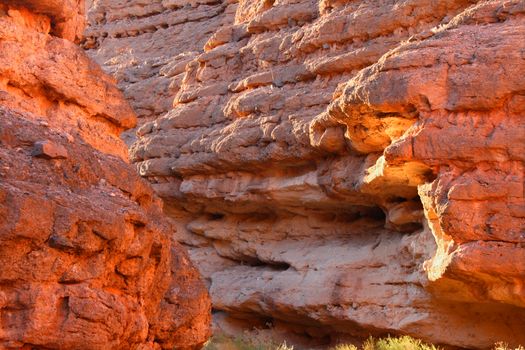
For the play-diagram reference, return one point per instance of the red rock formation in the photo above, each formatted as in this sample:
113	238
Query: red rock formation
87	257
340	167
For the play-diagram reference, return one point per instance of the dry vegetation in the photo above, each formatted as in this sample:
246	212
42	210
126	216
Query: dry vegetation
221	342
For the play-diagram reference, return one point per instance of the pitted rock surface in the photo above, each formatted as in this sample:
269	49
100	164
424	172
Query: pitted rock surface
87	257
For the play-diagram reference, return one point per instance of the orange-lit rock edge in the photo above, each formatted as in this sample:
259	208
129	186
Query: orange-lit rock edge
88	260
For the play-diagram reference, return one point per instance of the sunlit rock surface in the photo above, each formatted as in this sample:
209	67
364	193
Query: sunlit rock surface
87	257
336	167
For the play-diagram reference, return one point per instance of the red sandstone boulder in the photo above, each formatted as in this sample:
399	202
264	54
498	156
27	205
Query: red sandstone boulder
87	257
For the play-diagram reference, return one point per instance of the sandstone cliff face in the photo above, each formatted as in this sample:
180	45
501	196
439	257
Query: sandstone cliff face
87	259
337	167
147	44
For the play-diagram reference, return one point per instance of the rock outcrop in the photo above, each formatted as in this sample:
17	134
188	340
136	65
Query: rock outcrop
336	167
87	257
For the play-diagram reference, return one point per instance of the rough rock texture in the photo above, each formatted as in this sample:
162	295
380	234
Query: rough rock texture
147	44
87	258
67	17
51	77
337	167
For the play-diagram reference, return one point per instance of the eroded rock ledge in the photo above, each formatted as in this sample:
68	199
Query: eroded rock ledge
336	167
87	257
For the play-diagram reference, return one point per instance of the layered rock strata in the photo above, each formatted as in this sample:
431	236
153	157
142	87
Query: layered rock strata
338	167
87	258
147	44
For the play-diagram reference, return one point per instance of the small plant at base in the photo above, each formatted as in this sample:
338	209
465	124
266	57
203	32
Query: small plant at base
389	343
505	346
257	342
246	342
283	346
345	347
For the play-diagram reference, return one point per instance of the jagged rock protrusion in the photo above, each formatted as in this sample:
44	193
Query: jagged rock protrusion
87	257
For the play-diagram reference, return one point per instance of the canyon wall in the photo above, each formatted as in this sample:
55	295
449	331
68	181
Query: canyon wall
336	168
87	257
